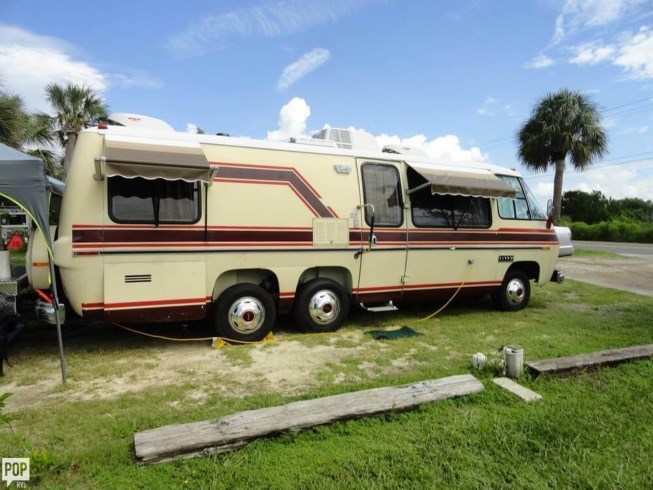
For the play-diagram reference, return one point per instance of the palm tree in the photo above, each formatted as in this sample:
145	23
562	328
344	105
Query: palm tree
76	107
29	133
562	124
13	119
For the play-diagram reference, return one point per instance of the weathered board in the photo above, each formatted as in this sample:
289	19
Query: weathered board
234	431
516	389
591	360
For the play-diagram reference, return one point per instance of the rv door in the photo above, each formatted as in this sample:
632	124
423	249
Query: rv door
383	231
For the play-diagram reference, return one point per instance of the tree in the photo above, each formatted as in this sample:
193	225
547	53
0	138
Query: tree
582	206
27	132
562	124
76	107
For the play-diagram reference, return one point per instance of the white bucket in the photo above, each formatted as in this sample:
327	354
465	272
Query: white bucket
478	360
5	266
514	357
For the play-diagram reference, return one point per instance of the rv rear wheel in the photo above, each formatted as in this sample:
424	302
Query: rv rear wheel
244	312
321	306
515	291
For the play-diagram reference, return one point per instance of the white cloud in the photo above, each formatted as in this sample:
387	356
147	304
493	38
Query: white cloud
539	61
579	15
265	20
592	53
616	182
636	54
292	120
30	61
304	65
443	149
488	107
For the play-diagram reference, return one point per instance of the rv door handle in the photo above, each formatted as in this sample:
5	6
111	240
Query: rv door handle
373	241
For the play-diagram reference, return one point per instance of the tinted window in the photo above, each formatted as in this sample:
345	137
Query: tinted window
444	210
382	189
157	201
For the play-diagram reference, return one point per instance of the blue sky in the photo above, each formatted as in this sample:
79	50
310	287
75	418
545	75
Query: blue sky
454	77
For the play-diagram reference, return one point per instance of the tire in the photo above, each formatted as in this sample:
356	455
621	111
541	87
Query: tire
322	305
244	312
515	292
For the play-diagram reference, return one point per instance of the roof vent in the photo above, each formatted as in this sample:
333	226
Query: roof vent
138	121
348	139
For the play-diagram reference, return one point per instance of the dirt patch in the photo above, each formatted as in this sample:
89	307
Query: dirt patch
281	367
634	274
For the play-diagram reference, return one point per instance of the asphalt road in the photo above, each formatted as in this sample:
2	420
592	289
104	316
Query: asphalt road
616	247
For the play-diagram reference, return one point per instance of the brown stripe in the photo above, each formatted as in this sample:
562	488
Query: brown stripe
276	175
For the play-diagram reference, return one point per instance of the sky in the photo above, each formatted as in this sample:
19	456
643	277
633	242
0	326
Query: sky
456	78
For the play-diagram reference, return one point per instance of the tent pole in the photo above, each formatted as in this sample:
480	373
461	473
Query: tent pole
62	358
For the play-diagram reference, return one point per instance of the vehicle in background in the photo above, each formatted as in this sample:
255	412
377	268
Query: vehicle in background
564	237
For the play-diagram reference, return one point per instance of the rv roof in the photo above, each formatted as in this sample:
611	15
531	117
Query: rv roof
148	136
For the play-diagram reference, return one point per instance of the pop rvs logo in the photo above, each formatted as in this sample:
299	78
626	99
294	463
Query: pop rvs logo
15	470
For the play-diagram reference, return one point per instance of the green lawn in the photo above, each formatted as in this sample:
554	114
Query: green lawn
592	430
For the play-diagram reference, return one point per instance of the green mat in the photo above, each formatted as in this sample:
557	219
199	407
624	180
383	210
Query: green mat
399	333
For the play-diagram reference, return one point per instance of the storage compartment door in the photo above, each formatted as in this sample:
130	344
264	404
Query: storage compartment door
155	291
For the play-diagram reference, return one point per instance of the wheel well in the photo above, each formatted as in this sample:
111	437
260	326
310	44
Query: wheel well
340	275
531	269
261	277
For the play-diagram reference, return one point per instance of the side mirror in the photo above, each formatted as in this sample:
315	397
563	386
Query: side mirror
549	214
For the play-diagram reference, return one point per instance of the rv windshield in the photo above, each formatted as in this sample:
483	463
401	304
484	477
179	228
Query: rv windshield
523	205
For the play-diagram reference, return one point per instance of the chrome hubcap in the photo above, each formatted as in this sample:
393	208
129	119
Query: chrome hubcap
515	292
246	315
324	307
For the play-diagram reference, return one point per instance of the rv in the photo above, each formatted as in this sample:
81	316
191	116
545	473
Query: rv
162	226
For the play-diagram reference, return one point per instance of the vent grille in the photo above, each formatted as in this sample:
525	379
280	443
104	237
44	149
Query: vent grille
138	278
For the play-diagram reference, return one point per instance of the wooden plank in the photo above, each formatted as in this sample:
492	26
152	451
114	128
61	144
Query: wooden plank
591	360
516	389
233	431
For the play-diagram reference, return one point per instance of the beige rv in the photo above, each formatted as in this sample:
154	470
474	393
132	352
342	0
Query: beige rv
159	226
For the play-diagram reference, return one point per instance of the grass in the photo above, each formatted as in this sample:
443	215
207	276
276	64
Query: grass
592	430
579	252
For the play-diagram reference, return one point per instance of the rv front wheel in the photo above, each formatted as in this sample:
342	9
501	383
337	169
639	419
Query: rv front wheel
515	291
321	306
244	312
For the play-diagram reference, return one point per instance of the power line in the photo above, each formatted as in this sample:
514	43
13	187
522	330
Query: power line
595	167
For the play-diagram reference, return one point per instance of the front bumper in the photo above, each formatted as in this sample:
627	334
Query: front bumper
558	276
45	313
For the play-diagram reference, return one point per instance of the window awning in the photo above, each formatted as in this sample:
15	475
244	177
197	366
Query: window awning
156	160
461	182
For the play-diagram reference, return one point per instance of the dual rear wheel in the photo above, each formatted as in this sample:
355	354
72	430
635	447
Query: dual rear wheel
246	312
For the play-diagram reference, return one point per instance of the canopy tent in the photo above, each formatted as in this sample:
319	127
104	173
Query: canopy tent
23	181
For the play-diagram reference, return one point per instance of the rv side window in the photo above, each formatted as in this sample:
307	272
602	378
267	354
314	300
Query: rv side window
523	205
444	210
382	188
158	201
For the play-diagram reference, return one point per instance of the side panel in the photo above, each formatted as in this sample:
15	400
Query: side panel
165	290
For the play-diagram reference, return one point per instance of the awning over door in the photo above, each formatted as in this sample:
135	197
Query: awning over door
445	179
161	160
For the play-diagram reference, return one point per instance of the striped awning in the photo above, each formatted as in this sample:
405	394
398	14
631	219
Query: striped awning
170	160
461	181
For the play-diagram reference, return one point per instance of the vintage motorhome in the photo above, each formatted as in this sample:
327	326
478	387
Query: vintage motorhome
157	226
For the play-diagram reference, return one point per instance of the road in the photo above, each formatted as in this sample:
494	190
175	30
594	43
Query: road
616	247
633	272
